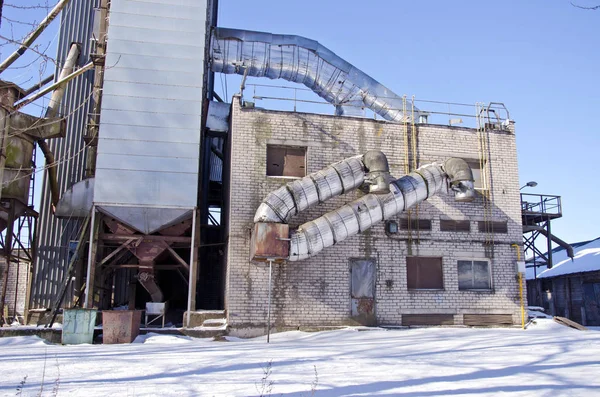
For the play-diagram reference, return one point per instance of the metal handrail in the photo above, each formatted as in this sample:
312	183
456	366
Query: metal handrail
540	204
462	112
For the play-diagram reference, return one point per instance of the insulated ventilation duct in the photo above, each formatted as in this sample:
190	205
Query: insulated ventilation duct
304	61
359	215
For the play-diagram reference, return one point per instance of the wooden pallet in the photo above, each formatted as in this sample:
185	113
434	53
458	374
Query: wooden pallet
569	323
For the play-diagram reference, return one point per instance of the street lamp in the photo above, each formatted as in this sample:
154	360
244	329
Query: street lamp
529	184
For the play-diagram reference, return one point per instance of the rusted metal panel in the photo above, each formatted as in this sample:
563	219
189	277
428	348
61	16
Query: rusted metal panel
487	319
269	241
424	272
427	319
295	162
286	161
120	326
275	160
362	291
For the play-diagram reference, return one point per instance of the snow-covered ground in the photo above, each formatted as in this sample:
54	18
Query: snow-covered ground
547	359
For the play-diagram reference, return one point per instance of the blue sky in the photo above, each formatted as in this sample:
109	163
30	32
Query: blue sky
539	57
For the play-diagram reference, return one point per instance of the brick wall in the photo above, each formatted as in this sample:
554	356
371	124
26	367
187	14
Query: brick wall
17	286
316	292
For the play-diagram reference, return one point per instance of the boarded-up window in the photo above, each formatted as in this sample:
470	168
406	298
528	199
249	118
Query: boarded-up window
424	272
493	227
286	161
473	275
477	172
427	319
487	319
447	225
415	224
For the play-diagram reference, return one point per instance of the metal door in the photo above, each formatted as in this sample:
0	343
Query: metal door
591	298
362	291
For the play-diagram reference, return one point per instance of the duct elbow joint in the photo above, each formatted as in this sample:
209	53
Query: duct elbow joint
464	191
378	172
461	179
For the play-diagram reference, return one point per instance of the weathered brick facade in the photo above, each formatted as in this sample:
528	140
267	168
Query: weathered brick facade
316	291
16	288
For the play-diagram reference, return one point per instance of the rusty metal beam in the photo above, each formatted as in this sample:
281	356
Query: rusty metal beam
173	266
115	252
124	237
178	258
121	255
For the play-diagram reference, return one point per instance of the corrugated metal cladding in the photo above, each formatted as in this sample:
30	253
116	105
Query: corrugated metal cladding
216	162
149	140
55	234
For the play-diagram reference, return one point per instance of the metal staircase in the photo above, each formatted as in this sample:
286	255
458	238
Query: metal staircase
537	212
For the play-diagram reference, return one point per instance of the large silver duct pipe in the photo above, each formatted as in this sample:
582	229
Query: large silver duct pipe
359	215
307	62
339	178
294	197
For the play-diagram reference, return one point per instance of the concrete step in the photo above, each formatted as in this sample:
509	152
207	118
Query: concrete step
214	323
198	317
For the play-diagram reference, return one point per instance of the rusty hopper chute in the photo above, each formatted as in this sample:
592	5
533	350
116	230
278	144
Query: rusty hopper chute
383	201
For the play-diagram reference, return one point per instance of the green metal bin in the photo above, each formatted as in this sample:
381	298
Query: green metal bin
78	326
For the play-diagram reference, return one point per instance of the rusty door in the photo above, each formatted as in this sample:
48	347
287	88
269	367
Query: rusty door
362	291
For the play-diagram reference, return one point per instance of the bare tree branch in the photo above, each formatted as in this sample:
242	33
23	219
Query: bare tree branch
32	24
33	49
586	8
25	7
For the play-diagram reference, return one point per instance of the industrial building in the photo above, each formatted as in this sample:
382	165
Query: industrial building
376	214
571	287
